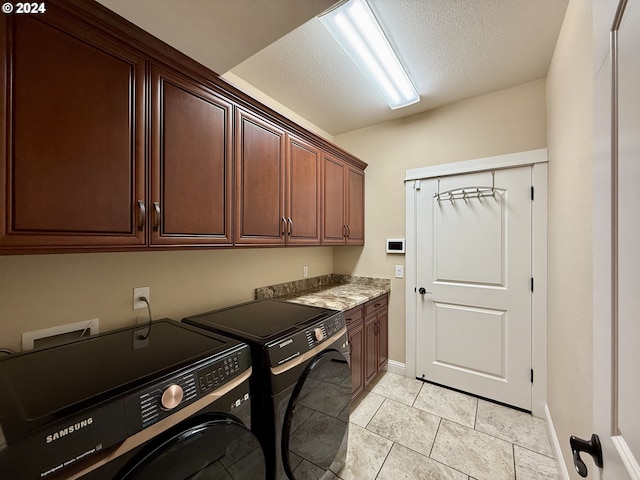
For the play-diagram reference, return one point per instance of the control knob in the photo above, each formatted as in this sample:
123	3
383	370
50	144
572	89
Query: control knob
171	397
318	334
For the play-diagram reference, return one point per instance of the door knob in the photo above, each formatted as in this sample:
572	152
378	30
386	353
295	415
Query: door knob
423	291
592	447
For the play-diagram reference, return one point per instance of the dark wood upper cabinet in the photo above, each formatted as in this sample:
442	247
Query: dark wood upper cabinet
333	197
303	192
112	140
191	162
343	203
260	181
72	162
355	206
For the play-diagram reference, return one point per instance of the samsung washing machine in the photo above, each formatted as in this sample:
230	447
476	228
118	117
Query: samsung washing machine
168	402
301	382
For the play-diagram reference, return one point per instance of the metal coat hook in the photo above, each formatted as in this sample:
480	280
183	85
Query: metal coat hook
466	193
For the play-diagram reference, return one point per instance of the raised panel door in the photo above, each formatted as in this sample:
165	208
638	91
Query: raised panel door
73	162
191	163
260	181
370	348
383	338
356	342
474	260
333	199
355	207
303	193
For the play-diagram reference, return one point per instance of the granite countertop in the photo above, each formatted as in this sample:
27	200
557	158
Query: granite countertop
338	292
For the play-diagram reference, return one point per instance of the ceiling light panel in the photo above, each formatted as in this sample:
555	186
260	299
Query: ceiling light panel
356	30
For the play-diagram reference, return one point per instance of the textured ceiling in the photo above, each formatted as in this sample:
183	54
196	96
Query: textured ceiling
218	33
452	49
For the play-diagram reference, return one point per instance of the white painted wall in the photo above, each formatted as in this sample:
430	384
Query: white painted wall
569	138
506	121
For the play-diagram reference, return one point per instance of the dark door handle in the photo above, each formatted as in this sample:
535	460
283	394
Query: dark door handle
423	291
592	447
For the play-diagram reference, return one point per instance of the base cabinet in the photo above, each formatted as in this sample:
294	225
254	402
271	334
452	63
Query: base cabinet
376	327
355	332
368	332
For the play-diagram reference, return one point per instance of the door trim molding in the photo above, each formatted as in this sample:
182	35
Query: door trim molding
510	160
537	159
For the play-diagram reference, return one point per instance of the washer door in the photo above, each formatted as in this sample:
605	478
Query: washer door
211	446
317	419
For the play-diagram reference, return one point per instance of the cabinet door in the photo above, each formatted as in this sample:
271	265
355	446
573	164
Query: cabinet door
72	156
355	206
260	181
191	163
303	193
383	338
333	200
370	348
356	355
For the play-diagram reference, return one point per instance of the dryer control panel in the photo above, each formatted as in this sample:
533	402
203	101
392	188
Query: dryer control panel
292	346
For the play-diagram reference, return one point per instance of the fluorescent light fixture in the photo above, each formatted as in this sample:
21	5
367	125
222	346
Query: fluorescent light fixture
355	28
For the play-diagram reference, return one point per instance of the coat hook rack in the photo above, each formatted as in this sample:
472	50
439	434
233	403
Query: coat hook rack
471	192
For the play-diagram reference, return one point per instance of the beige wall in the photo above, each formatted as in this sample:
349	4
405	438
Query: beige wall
506	121
40	291
569	135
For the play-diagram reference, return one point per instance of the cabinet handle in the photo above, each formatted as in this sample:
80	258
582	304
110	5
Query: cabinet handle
377	305
344	231
284	225
156	225
348	231
375	328
142	215
290	226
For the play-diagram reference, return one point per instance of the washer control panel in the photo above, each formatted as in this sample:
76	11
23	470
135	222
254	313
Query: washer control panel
176	391
215	375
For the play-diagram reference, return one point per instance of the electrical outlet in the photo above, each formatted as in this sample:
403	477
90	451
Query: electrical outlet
137	293
305	271
399	271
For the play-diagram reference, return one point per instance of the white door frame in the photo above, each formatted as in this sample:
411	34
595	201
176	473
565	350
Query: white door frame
538	160
618	462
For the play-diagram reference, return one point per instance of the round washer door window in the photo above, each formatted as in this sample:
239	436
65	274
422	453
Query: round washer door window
317	419
209	446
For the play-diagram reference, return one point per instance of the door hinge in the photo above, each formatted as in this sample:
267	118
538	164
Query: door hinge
532	375
417	185
532	284
532	194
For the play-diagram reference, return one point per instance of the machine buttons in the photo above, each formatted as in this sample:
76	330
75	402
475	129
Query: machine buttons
171	397
318	334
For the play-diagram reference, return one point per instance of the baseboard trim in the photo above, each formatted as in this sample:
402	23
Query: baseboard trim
396	367
555	445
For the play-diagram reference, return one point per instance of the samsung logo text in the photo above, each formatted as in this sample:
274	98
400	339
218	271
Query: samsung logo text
69	430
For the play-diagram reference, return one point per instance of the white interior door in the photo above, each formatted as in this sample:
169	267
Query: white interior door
473	260
617	258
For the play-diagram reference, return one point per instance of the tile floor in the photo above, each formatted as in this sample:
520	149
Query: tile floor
405	429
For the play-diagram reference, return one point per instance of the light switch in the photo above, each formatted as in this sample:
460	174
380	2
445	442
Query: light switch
399	271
